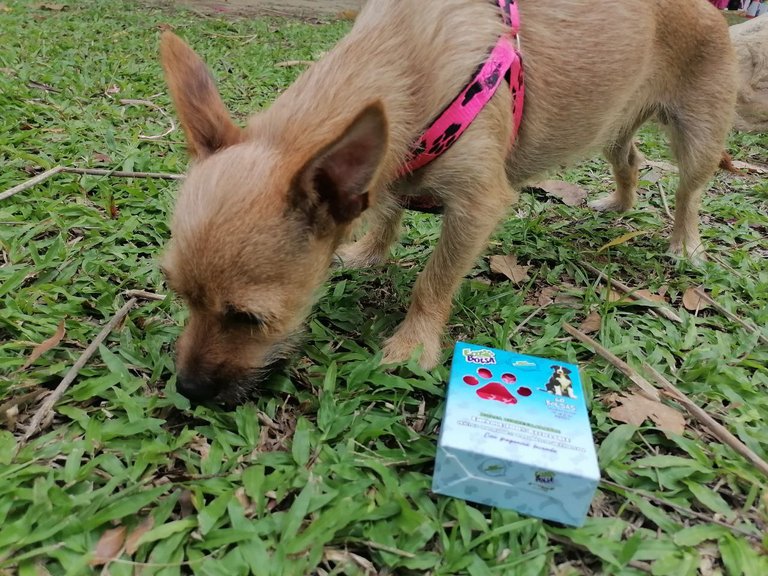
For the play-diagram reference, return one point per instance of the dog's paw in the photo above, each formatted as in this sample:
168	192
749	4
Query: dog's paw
610	203
402	346
693	251
356	256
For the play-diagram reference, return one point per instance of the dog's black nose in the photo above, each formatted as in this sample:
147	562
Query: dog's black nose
196	388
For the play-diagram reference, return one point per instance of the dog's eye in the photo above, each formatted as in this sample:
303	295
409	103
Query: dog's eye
243	317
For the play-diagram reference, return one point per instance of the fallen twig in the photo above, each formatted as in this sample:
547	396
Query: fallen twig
711	518
713	426
144	295
661	165
527	319
647	389
725	265
123	173
35	180
655	307
390	549
129	101
751	328
637	564
289	63
265	420
664	202
46	407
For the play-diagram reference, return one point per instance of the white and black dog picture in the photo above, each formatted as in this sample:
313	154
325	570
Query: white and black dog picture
560	383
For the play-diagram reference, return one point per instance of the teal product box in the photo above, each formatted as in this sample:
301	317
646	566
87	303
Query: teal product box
516	435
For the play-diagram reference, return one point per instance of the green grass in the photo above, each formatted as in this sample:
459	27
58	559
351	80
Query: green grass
328	470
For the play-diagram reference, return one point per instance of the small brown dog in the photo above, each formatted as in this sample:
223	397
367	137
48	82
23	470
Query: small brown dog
282	194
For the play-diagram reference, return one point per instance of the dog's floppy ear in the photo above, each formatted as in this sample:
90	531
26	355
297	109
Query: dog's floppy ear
202	113
339	175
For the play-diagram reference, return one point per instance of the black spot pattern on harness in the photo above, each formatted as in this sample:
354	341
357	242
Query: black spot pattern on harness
474	89
493	77
445	140
506	11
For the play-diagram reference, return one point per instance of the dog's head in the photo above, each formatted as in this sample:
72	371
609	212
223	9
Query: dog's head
254	229
560	371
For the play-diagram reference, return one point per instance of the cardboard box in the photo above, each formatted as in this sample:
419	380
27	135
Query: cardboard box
516	435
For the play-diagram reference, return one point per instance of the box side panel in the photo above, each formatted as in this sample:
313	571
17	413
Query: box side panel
512	485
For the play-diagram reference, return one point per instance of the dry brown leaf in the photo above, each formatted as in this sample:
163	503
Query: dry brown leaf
417	425
45	345
345	557
610	399
109	546
200	445
652	176
349	15
749	167
132	541
551	294
612	296
102	158
709	553
289	63
650	296
634	409
508	266
249	508
567	299
186	504
569	193
52	7
693	302
547	295
621	239
591	323
661	165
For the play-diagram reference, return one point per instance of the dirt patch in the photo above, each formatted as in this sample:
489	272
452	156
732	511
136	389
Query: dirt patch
300	8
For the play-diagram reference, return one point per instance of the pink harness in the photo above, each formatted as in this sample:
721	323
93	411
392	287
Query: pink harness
504	61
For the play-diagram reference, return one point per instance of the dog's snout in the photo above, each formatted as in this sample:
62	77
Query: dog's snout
196	388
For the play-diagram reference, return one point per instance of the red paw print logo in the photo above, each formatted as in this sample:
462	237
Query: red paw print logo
496	390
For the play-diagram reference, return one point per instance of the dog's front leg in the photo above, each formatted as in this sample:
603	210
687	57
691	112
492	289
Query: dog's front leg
467	224
383	228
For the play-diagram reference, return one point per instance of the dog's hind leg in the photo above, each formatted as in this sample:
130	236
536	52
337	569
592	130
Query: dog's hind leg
697	139
625	160
372	249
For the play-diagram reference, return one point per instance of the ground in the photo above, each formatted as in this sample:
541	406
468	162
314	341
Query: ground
327	470
282	7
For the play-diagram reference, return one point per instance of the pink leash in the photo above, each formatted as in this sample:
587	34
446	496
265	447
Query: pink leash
503	62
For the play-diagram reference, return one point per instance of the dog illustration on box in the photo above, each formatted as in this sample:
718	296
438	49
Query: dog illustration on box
560	383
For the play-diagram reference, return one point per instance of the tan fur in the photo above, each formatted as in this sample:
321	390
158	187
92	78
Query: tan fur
264	208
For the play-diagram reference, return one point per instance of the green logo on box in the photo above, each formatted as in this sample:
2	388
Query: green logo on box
479	356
